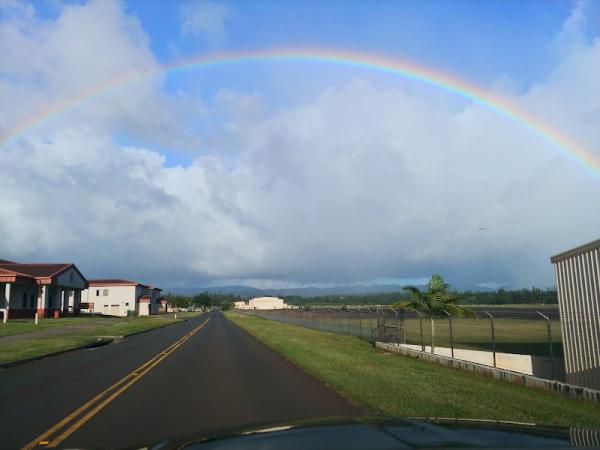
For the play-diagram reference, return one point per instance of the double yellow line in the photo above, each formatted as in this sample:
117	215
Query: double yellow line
63	429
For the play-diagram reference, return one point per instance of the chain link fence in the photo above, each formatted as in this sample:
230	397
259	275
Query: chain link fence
535	335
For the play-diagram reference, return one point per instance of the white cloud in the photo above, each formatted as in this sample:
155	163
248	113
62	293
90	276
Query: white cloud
205	18
362	182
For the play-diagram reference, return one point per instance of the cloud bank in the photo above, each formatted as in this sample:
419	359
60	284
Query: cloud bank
360	182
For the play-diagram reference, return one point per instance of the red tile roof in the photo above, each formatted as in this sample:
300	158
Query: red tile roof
114	281
36	270
119	282
40	273
8	276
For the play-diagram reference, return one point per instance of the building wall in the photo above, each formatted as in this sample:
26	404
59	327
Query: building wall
266	303
70	279
17	293
27	299
152	306
112	300
578	287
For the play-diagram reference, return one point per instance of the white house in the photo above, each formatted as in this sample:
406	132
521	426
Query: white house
51	290
116	297
262	303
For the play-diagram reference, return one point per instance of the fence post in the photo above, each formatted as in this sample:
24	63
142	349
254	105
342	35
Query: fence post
360	333
493	336
421	331
451	336
549	327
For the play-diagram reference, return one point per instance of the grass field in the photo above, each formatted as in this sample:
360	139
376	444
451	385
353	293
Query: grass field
396	385
28	348
21	326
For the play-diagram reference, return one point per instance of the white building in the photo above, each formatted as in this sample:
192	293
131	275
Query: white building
262	303
51	290
116	297
578	288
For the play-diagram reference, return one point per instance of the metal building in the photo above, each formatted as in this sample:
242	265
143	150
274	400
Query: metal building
578	286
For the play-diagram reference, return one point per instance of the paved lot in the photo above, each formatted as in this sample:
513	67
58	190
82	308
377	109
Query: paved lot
219	378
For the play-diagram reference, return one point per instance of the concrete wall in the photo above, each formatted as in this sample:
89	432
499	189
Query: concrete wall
578	287
527	364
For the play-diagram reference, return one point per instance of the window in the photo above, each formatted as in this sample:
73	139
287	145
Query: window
24	299
126	303
97	292
105	292
32	301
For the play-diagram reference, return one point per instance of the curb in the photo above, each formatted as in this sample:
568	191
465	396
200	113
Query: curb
99	343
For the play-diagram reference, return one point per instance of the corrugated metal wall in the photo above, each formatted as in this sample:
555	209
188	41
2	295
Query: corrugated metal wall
578	286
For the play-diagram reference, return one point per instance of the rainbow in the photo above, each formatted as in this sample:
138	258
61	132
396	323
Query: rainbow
407	69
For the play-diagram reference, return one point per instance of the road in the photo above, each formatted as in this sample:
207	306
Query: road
202	376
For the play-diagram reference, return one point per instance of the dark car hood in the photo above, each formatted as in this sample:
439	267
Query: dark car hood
390	433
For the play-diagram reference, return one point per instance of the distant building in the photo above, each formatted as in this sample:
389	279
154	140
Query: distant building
116	297
261	303
578	287
51	290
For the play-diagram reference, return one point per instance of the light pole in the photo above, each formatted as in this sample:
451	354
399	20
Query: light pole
549	328
493	336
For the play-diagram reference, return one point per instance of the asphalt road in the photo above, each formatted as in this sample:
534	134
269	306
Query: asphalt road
217	378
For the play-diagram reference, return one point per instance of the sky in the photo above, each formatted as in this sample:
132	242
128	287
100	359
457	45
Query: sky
294	173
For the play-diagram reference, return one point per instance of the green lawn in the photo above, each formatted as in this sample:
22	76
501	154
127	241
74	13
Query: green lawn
12	351
20	326
396	385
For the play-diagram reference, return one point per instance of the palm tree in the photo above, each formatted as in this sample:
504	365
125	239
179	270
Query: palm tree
436	302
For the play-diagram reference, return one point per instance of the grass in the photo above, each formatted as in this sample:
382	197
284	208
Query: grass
13	351
21	326
395	385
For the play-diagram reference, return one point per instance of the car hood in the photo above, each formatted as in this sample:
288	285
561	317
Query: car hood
390	433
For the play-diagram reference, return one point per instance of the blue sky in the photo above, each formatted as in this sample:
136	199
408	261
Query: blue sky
272	173
480	40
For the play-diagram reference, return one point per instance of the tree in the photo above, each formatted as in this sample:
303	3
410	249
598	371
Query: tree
434	303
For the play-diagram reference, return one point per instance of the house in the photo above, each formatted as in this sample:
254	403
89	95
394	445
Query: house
261	303
117	297
51	290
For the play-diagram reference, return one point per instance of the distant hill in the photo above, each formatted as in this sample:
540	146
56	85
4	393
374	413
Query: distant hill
309	291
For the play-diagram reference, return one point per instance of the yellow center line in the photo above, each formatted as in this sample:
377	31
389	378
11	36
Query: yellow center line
129	379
